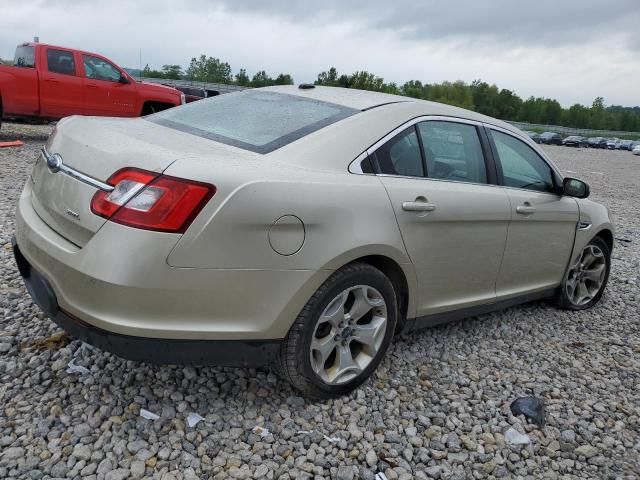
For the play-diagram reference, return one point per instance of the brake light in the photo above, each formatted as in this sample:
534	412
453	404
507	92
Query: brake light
151	201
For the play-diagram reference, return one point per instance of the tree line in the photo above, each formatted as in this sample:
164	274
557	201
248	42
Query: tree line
496	102
478	95
214	70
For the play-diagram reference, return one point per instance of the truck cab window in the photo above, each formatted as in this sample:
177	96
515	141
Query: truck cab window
98	69
61	61
25	57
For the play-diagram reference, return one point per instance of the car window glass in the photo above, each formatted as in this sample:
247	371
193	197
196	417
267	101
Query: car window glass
452	151
24	57
522	167
60	61
99	69
258	121
401	155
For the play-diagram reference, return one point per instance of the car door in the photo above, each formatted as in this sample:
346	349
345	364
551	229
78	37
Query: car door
60	85
104	93
452	219
543	222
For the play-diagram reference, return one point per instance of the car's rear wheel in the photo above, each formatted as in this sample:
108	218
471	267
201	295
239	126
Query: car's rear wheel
587	277
342	333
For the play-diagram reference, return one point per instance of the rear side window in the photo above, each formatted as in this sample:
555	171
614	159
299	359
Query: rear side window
258	121
61	61
452	151
401	155
25	57
521	166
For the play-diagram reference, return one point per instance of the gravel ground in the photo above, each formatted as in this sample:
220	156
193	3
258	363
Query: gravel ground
438	406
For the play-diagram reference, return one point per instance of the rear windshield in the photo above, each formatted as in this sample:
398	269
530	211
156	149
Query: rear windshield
254	120
24	57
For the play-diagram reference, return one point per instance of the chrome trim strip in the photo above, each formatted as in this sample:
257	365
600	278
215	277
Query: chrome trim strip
354	166
55	164
413	121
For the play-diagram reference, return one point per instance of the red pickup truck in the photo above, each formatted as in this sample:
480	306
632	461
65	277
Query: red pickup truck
48	83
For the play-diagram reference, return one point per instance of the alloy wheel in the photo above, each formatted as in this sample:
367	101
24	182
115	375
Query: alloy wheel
349	334
586	276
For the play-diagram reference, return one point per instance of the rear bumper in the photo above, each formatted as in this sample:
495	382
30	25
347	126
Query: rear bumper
246	353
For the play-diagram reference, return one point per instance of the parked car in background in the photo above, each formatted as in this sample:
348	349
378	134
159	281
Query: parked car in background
550	138
48	83
298	227
575	141
626	145
535	136
636	149
597	142
612	143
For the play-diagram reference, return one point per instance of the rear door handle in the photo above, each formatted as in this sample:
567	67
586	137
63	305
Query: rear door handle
525	209
91	85
418	207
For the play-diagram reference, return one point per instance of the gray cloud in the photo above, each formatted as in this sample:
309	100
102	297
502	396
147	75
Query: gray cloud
572	50
542	23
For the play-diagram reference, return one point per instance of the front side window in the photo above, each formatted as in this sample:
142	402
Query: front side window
257	121
401	155
522	167
25	57
60	61
452	151
98	69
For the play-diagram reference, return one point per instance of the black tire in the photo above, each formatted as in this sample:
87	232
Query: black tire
562	299
295	353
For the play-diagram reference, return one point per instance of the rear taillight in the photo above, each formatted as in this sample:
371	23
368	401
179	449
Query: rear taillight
151	201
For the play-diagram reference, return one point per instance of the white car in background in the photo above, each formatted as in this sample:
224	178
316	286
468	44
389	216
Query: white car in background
636	150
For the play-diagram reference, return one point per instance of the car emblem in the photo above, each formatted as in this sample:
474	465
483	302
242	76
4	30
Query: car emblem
72	214
54	162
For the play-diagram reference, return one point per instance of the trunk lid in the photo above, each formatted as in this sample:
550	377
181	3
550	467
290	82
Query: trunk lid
98	147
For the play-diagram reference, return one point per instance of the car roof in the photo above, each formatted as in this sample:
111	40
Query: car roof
367	100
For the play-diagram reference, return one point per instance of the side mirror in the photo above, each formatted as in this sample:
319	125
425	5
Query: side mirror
123	79
573	187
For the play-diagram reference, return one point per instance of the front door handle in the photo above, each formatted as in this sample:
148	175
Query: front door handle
418	207
525	209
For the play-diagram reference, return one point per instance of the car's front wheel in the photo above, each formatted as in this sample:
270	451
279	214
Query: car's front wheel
342	333
587	277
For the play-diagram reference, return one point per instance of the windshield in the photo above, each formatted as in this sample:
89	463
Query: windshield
259	121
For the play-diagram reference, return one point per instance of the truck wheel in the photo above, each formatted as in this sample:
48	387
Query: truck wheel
341	334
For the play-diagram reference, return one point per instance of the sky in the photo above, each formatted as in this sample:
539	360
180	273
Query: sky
570	50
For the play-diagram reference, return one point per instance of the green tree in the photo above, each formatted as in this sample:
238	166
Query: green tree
242	78
172	71
149	73
261	79
329	78
415	89
209	69
283	79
